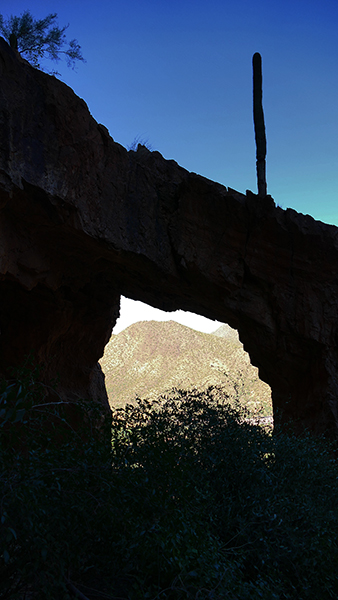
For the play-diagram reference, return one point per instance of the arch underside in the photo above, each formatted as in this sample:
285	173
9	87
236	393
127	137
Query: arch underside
83	221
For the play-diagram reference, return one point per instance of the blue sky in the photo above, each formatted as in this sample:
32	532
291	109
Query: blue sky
179	75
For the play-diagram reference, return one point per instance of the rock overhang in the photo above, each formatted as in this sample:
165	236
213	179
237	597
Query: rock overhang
83	220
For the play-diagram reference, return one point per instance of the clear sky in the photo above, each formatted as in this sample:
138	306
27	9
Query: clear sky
178	73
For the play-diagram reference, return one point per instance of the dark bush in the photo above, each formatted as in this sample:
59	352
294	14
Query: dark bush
191	501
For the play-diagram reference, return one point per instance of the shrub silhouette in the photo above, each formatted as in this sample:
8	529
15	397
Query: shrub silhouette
35	39
190	501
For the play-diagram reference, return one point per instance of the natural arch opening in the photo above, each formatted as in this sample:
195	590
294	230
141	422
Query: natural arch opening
151	352
83	220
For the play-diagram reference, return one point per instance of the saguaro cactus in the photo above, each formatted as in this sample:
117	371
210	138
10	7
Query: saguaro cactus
258	116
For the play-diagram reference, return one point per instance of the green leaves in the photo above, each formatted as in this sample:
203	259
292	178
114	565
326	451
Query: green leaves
226	493
191	501
17	395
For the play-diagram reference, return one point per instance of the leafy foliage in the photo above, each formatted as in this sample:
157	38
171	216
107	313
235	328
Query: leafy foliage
35	39
190	501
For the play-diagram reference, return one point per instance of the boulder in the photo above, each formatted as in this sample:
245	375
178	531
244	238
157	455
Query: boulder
82	221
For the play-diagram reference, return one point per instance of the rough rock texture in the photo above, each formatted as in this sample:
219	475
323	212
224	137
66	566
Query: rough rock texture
150	358
82	220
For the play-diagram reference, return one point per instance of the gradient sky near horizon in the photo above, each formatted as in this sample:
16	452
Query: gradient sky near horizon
178	74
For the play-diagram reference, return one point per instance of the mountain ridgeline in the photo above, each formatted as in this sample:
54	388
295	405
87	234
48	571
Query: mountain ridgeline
151	358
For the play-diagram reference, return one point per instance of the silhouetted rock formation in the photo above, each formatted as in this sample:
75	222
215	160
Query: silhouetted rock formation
83	220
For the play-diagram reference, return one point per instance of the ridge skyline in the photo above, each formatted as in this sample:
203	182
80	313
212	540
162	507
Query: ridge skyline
151	358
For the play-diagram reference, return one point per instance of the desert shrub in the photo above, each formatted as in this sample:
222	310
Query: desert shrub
255	513
50	487
139	141
190	501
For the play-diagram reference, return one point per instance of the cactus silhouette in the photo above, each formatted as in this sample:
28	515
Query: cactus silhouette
258	116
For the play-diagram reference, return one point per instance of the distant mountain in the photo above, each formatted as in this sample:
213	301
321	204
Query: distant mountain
227	332
149	358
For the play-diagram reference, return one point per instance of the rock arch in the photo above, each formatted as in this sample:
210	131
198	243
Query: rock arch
83	221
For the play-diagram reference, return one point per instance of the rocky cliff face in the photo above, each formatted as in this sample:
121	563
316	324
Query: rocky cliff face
150	358
82	220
